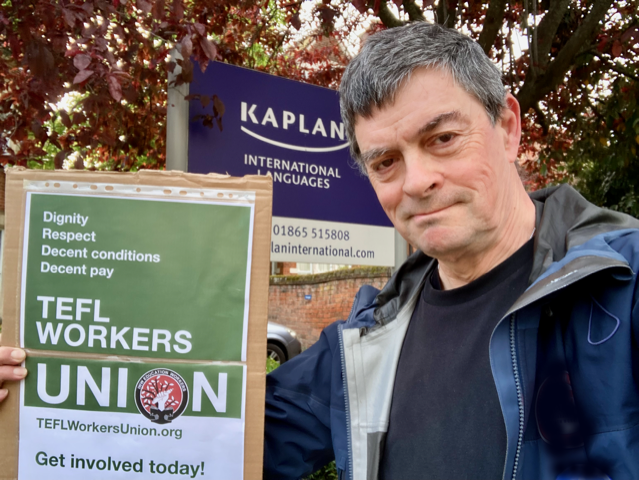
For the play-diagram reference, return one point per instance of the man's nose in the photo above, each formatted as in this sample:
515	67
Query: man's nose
422	176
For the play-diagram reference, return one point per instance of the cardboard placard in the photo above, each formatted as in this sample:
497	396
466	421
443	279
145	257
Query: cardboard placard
141	300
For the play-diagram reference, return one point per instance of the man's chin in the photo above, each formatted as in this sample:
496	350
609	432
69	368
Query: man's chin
439	242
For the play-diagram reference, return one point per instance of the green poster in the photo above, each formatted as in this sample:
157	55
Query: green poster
134	305
193	390
136	277
95	419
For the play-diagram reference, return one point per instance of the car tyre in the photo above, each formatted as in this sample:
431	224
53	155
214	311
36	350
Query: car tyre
275	353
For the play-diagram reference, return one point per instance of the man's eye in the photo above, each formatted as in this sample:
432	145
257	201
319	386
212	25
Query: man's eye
384	164
444	138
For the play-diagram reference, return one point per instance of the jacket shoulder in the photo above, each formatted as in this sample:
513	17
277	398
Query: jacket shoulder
626	243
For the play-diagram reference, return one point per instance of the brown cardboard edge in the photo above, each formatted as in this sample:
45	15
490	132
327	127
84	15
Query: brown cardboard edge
258	318
9	409
258	310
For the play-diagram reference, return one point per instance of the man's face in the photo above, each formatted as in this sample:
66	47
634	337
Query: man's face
441	170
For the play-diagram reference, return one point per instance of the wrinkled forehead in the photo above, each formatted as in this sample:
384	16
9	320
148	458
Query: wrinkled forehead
438	85
381	100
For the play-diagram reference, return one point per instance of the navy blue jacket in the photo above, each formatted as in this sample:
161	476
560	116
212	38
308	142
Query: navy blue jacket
565	361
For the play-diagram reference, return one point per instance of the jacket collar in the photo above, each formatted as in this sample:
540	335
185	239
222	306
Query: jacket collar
568	220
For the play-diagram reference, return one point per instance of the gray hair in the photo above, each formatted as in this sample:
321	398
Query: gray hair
389	57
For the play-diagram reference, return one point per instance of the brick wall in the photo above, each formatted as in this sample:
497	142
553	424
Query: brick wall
331	299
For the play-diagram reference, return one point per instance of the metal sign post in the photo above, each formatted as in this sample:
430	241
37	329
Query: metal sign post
177	121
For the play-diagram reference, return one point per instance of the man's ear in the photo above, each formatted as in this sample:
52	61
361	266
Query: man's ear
510	122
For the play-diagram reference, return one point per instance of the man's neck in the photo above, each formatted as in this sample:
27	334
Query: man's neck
518	230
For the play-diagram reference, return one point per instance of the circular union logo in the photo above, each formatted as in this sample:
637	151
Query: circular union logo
161	395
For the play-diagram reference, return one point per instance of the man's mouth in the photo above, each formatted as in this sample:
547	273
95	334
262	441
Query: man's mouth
429	213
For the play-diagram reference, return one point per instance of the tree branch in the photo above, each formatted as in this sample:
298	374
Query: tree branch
623	71
535	88
534	50
387	17
441	12
451	18
492	24
541	119
414	12
548	28
592	107
279	44
511	55
615	67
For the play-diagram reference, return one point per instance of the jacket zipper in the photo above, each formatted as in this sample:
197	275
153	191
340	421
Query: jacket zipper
520	396
347	413
349	447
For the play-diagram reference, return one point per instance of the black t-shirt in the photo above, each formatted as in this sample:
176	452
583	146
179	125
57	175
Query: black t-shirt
445	420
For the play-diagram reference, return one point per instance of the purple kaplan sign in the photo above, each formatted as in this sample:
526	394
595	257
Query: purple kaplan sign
324	209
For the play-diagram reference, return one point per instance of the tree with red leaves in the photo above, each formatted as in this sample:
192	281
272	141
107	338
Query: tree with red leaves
572	64
109	60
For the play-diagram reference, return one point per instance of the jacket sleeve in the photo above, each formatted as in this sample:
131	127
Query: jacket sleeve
635	324
297	438
631	251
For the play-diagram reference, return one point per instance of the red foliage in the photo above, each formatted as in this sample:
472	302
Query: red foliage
114	55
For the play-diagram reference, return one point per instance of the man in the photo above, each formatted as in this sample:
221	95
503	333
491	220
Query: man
505	347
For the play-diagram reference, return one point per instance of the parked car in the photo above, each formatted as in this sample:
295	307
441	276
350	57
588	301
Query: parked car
282	343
